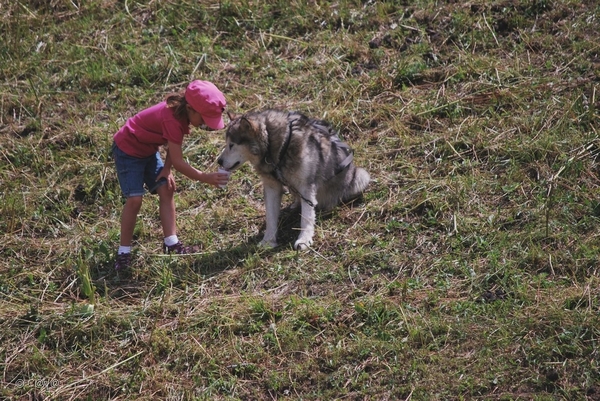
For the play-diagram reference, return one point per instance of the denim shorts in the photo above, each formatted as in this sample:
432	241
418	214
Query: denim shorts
134	172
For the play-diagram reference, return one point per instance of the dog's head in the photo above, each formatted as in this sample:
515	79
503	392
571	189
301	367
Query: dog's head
242	142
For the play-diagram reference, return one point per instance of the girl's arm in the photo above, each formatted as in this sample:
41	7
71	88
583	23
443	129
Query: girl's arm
166	172
175	158
168	162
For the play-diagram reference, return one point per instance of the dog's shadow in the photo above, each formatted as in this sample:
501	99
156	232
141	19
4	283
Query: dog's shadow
288	228
287	233
230	258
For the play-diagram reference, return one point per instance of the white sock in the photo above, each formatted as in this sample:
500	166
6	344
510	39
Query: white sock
124	249
171	240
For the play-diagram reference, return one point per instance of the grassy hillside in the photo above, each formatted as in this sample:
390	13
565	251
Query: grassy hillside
468	271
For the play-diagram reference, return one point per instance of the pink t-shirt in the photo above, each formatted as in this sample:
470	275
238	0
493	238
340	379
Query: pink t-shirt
144	133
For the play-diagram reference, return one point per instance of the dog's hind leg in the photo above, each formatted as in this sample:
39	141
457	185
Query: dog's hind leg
307	223
273	191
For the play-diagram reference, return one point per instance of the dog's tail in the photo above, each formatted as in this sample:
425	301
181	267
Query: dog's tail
359	182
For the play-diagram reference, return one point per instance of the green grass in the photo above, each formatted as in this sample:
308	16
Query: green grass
468	271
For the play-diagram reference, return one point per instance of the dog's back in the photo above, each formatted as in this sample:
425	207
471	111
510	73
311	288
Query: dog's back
337	178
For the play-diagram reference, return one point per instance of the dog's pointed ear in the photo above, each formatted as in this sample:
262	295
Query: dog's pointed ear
231	115
247	125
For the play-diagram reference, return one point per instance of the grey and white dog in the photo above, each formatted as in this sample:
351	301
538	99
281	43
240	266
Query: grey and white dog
304	154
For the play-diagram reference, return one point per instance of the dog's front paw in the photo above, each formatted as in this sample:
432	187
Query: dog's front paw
302	244
268	243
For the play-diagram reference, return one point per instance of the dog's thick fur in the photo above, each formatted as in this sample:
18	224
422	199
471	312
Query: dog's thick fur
305	155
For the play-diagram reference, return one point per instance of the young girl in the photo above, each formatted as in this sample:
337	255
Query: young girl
138	161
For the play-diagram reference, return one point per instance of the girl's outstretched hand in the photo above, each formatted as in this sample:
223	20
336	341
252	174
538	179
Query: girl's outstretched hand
216	179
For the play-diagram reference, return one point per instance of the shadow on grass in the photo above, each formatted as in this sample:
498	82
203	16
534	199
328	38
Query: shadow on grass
219	261
136	281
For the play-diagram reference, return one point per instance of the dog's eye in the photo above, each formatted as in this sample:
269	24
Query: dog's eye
230	146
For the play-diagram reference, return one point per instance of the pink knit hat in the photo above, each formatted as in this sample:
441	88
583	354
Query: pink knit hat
206	99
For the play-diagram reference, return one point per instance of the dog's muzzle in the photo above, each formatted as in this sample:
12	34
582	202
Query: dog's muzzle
236	165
